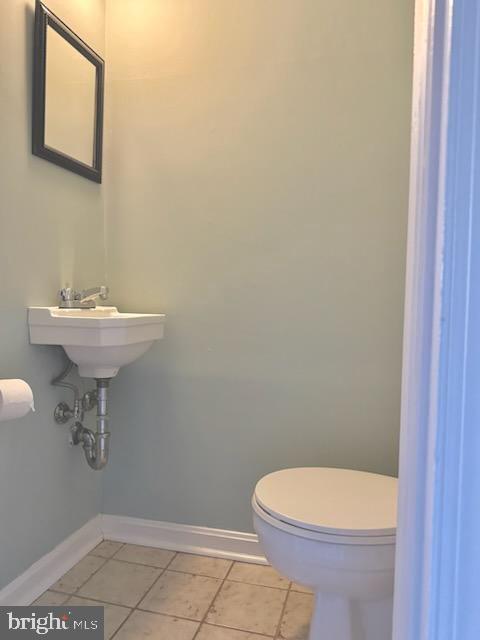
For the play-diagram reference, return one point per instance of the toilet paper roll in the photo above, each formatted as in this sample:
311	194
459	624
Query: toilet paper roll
16	399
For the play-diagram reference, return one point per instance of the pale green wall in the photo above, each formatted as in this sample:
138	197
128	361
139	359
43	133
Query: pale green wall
51	231
257	194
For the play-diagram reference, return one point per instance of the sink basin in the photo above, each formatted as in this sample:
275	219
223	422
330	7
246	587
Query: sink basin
99	340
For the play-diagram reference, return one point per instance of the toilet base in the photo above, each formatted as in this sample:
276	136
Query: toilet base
337	618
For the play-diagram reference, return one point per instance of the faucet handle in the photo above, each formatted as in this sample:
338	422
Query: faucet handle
67	294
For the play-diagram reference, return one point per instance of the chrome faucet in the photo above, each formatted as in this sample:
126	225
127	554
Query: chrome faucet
86	299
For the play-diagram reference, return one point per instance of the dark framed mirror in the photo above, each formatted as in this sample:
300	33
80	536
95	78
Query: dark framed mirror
68	89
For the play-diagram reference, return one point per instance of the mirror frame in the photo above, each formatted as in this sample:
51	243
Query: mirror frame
45	18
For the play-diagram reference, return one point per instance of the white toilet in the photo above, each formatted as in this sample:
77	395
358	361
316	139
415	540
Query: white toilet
333	530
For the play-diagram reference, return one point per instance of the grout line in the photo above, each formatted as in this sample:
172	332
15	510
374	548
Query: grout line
142	564
256	584
70	595
114	604
162	570
122	544
222	582
156	579
165	615
202	575
143	596
95	572
277	635
122	624
220	626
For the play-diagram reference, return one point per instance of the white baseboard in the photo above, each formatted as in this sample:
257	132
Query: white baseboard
43	573
219	543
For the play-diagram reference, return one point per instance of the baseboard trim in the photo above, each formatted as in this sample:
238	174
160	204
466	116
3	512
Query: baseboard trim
219	543
46	571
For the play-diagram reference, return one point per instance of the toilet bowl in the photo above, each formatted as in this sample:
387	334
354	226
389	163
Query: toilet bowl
333	530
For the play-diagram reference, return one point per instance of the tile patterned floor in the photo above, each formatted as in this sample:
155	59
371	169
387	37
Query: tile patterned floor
163	595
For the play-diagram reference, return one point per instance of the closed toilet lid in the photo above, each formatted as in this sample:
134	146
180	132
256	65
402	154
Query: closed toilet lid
335	501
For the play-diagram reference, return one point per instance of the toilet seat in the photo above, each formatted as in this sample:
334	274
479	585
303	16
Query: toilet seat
340	506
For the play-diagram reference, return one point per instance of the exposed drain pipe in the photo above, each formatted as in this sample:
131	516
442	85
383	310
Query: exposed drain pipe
95	444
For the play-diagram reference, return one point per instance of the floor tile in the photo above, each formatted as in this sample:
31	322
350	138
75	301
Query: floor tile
106	549
201	565
153	626
300	587
181	594
209	632
51	598
78	574
296	618
145	555
120	583
258	574
113	614
248	607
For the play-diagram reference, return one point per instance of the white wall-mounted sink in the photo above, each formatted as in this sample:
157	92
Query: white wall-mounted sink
99	340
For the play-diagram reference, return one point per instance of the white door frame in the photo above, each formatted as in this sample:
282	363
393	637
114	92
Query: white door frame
439	445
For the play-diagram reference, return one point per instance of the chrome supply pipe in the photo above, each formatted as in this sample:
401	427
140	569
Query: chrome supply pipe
59	381
63	413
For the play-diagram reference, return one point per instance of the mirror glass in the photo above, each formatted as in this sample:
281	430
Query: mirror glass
70	89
